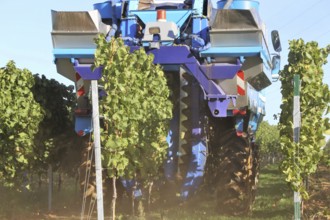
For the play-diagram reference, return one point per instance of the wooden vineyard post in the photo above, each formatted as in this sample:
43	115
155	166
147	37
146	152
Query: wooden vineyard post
296	134
97	148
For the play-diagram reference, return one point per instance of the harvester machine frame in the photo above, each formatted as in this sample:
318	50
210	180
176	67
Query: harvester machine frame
217	58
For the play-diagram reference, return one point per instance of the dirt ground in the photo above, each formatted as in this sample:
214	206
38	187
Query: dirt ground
318	206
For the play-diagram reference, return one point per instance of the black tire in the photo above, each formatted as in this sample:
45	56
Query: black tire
235	178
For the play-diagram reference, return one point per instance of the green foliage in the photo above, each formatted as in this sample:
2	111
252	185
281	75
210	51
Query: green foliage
136	109
57	100
268	138
305	60
35	122
19	120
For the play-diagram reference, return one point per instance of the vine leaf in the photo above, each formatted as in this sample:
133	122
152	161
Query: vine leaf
306	60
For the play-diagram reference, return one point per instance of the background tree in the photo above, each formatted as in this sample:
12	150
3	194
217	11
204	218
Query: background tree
306	60
268	138
19	121
56	136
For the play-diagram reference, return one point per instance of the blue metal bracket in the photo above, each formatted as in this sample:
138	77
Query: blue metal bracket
231	52
219	107
86	72
74	53
83	125
177	16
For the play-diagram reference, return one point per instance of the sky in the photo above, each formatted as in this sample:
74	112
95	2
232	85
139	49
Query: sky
26	26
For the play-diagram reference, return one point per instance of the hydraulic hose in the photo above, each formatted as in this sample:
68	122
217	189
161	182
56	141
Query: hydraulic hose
201	42
111	32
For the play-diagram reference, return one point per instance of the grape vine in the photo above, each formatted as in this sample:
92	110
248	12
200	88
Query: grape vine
19	121
54	136
136	110
267	137
301	159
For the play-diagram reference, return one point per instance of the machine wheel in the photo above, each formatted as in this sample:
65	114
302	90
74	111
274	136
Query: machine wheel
236	175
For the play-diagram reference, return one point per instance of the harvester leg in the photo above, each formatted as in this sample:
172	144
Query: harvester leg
171	163
195	171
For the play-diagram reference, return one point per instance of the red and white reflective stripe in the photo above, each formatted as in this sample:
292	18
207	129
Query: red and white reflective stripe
239	111
81	133
80	85
240	83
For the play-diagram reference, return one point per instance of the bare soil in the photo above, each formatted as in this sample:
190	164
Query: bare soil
318	205
67	204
